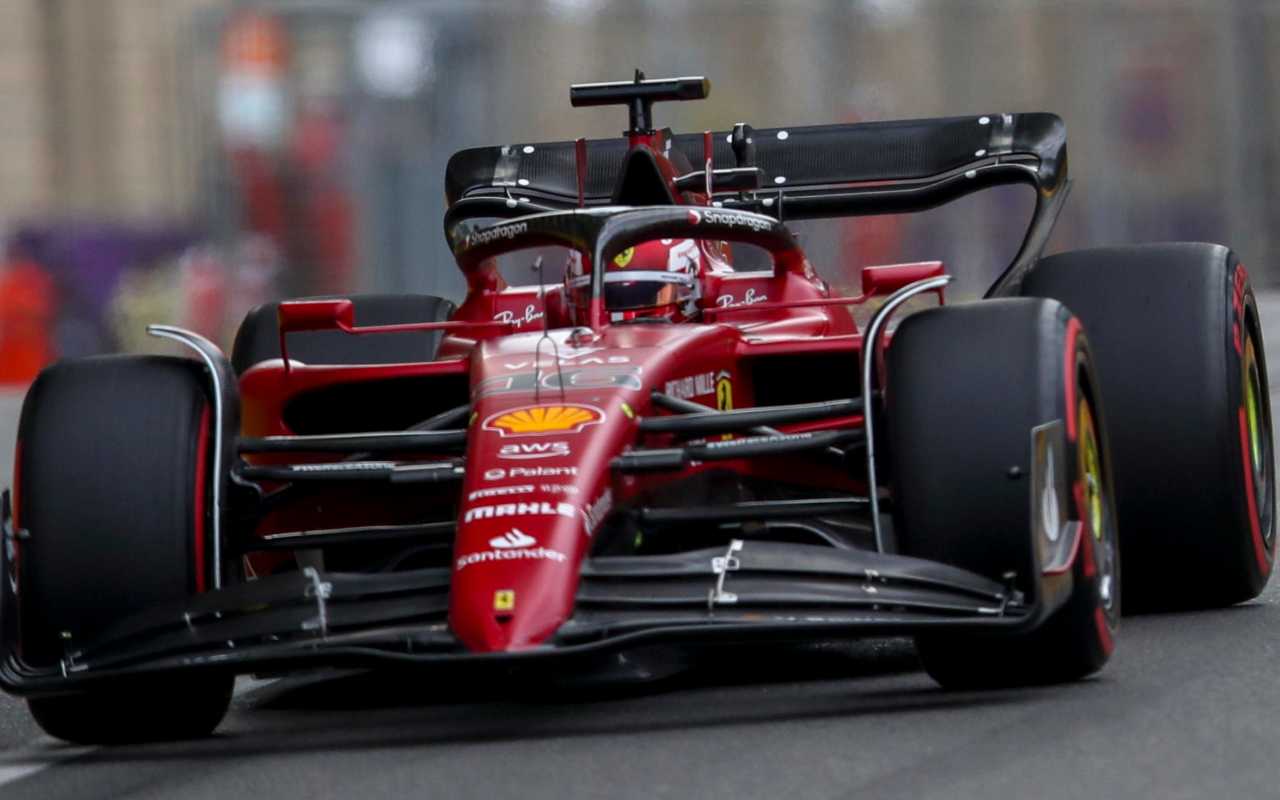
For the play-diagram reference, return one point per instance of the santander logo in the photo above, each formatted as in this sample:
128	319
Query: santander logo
514	545
511	539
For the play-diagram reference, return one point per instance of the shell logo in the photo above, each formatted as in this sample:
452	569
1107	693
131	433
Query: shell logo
535	420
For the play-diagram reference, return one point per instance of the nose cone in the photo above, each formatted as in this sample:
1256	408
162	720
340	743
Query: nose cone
549	415
512	589
537	476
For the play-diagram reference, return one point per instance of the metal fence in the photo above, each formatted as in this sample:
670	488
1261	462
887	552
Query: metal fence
298	147
1170	107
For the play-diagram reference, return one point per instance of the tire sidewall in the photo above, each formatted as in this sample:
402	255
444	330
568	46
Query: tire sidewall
118	513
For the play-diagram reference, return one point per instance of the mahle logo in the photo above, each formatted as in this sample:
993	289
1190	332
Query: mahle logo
536	420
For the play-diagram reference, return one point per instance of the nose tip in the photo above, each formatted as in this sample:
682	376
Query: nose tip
502	628
515	593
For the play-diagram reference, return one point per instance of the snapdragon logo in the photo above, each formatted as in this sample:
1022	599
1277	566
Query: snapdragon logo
494	234
731	219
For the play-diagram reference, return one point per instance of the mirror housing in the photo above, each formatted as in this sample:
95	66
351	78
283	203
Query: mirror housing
885	280
315	315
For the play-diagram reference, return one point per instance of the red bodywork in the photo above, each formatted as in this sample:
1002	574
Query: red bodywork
552	404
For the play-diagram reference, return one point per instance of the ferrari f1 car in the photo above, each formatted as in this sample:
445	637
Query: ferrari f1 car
658	453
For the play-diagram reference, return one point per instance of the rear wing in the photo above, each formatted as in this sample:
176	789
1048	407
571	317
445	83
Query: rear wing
807	172
812	168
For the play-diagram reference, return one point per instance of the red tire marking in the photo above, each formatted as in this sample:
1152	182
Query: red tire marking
1251	499
1090	569
202	456
1086	531
1069	376
1238	282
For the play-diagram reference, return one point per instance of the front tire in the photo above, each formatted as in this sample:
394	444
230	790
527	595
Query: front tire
112	483
966	386
164	709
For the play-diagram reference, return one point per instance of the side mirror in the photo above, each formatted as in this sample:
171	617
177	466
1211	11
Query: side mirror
890	278
316	315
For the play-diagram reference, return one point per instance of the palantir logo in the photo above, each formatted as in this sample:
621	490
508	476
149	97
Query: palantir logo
512	539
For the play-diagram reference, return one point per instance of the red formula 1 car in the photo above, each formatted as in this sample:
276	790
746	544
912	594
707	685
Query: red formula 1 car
662	451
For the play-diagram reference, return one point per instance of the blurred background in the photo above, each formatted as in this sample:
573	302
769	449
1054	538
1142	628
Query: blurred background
181	161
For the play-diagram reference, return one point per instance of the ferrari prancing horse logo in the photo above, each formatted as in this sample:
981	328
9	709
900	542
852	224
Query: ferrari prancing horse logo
724	392
504	600
536	420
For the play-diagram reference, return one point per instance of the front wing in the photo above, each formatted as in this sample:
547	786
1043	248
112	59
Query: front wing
749	592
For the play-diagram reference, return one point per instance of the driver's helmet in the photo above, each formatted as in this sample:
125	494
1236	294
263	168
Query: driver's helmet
654	280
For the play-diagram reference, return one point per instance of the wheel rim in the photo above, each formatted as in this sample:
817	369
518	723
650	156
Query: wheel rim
1094	510
1258	428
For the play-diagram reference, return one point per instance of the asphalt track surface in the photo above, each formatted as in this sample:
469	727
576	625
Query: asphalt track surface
1188	708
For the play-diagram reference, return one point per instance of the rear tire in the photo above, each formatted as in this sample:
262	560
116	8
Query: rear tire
966	385
1180	353
112	483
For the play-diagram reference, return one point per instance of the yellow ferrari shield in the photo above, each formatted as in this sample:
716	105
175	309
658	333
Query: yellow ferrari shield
504	600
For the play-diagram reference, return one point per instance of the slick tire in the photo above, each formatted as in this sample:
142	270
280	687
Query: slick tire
258	338
965	387
1179	352
112	484
131	712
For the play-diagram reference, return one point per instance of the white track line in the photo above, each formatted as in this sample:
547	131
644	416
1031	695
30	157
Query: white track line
48	752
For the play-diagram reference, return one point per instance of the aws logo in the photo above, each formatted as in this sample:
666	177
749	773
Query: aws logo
536	420
528	450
